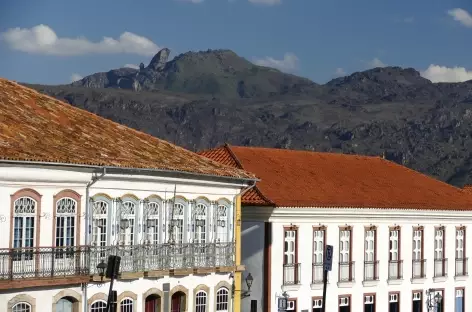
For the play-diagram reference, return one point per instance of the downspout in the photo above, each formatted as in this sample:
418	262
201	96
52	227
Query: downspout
95	179
237	239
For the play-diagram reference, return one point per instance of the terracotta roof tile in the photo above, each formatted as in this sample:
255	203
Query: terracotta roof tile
36	127
291	178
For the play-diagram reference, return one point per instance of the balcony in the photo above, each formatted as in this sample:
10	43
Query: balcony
346	272
19	265
440	268
317	274
292	274
418	269
395	270
461	267
371	270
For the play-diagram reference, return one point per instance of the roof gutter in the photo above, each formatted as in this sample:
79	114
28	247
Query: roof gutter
128	170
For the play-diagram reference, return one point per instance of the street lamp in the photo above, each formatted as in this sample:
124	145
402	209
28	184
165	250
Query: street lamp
249	280
101	267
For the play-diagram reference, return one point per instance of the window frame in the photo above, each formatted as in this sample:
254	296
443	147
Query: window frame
350	262
199	305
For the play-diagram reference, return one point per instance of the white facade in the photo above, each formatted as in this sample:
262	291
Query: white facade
129	215
373	263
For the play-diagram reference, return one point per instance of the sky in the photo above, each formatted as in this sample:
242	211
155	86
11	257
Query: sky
57	41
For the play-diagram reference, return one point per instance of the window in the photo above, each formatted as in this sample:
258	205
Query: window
393	302
126	305
460	300
344	304
317	304
369	303
127	216
200	301
98	306
221	224
291	305
319	241
222	300
394	260
418	261
461	260
370	254
24	226
345	264
152	222
100	216
66	209
200	224
21	307
177	224
439	261
417	301
253	305
290	266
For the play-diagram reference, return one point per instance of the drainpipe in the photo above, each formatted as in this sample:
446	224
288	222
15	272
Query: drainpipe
236	306
88	213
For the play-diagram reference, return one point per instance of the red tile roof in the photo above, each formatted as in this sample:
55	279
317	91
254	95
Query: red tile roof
291	178
36	127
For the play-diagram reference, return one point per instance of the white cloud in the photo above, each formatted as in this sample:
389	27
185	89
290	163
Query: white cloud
288	64
437	73
132	66
41	39
376	63
340	72
75	77
266	2
461	16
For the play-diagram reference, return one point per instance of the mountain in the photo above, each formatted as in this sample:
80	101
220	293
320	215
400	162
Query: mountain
390	111
219	73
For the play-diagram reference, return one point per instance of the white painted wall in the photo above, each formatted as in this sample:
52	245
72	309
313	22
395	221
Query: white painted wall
252	248
306	218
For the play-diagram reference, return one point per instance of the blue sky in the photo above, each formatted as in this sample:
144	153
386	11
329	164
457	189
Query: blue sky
320	39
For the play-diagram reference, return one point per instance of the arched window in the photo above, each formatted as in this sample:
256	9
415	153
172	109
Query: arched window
177	224
200	301
200	224
98	306
66	209
126	305
222	224
21	307
222	299
24	222
152	223
127	217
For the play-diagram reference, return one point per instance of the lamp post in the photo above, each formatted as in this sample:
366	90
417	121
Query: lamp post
433	300
249	280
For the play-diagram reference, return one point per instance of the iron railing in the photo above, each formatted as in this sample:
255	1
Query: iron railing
42	262
292	273
317	276
461	267
395	269
346	271
371	270
83	260
440	267
418	268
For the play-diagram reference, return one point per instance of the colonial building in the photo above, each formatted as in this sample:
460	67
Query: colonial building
401	239
76	188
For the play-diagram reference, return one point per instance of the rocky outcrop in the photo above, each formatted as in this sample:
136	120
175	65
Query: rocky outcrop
159	60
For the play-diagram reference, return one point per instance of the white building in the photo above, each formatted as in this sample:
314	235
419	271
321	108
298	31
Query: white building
76	188
399	237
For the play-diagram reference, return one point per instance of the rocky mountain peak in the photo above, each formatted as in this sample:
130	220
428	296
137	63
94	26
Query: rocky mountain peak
159	60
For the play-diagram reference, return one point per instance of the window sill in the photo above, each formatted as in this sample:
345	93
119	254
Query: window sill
439	279
346	284
317	286
418	280
394	281
291	287
461	278
370	283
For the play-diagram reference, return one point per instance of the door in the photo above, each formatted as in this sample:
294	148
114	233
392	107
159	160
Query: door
290	272
178	302
393	266
438	252
64	305
344	255
417	253
369	257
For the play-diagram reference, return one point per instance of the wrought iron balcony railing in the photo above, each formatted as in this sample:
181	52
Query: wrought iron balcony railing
317	277
292	273
371	270
461	267
418	268
440	267
43	262
346	271
395	270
